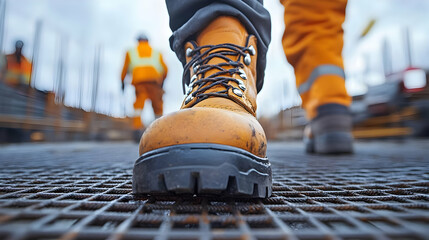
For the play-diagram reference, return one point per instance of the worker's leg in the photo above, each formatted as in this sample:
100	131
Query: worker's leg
155	93
214	143
313	43
141	97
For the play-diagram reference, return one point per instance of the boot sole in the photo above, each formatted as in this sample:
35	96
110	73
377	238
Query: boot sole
202	169
330	143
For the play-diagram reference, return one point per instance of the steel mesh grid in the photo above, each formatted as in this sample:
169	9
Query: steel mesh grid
370	195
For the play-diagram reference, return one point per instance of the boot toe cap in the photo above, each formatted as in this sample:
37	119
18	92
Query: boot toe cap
206	125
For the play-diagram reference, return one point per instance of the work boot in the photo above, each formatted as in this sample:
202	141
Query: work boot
330	131
213	145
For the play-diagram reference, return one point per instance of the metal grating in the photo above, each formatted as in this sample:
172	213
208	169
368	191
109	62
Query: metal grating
83	191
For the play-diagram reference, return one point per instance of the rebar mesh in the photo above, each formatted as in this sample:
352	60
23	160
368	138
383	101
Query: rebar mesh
56	191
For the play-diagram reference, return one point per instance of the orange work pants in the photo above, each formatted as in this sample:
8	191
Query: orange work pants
144	91
313	42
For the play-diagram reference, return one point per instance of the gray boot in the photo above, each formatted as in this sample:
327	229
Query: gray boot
330	131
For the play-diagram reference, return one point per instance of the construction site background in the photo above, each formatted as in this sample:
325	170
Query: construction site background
67	101
69	104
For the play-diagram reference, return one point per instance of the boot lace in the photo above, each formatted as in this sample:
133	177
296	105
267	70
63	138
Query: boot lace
201	55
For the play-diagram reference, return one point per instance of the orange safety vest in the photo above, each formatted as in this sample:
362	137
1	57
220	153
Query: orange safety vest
145	68
17	72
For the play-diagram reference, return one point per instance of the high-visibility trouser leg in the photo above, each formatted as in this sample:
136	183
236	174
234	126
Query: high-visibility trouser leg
155	93
141	97
137	121
313	42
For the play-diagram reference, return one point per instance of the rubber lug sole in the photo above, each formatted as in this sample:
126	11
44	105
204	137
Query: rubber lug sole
202	169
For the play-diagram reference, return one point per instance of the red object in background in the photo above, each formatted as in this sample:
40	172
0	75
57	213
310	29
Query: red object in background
408	87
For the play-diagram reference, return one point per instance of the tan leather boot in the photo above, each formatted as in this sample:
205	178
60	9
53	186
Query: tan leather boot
214	144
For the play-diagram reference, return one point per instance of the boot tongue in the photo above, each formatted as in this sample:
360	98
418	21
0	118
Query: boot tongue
220	31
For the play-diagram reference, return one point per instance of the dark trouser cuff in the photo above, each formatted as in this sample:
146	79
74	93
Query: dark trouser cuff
332	108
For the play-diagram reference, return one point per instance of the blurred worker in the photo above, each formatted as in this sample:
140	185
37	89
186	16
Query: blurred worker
148	72
18	68
214	143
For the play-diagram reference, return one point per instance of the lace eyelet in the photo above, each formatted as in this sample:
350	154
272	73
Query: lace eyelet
189	99
189	88
188	52
237	92
242	74
241	85
252	50
195	68
247	59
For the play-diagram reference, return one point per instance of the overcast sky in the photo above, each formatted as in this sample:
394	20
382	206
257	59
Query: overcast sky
114	24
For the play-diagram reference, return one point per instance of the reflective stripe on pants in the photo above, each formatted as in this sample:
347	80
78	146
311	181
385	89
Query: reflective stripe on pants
326	69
